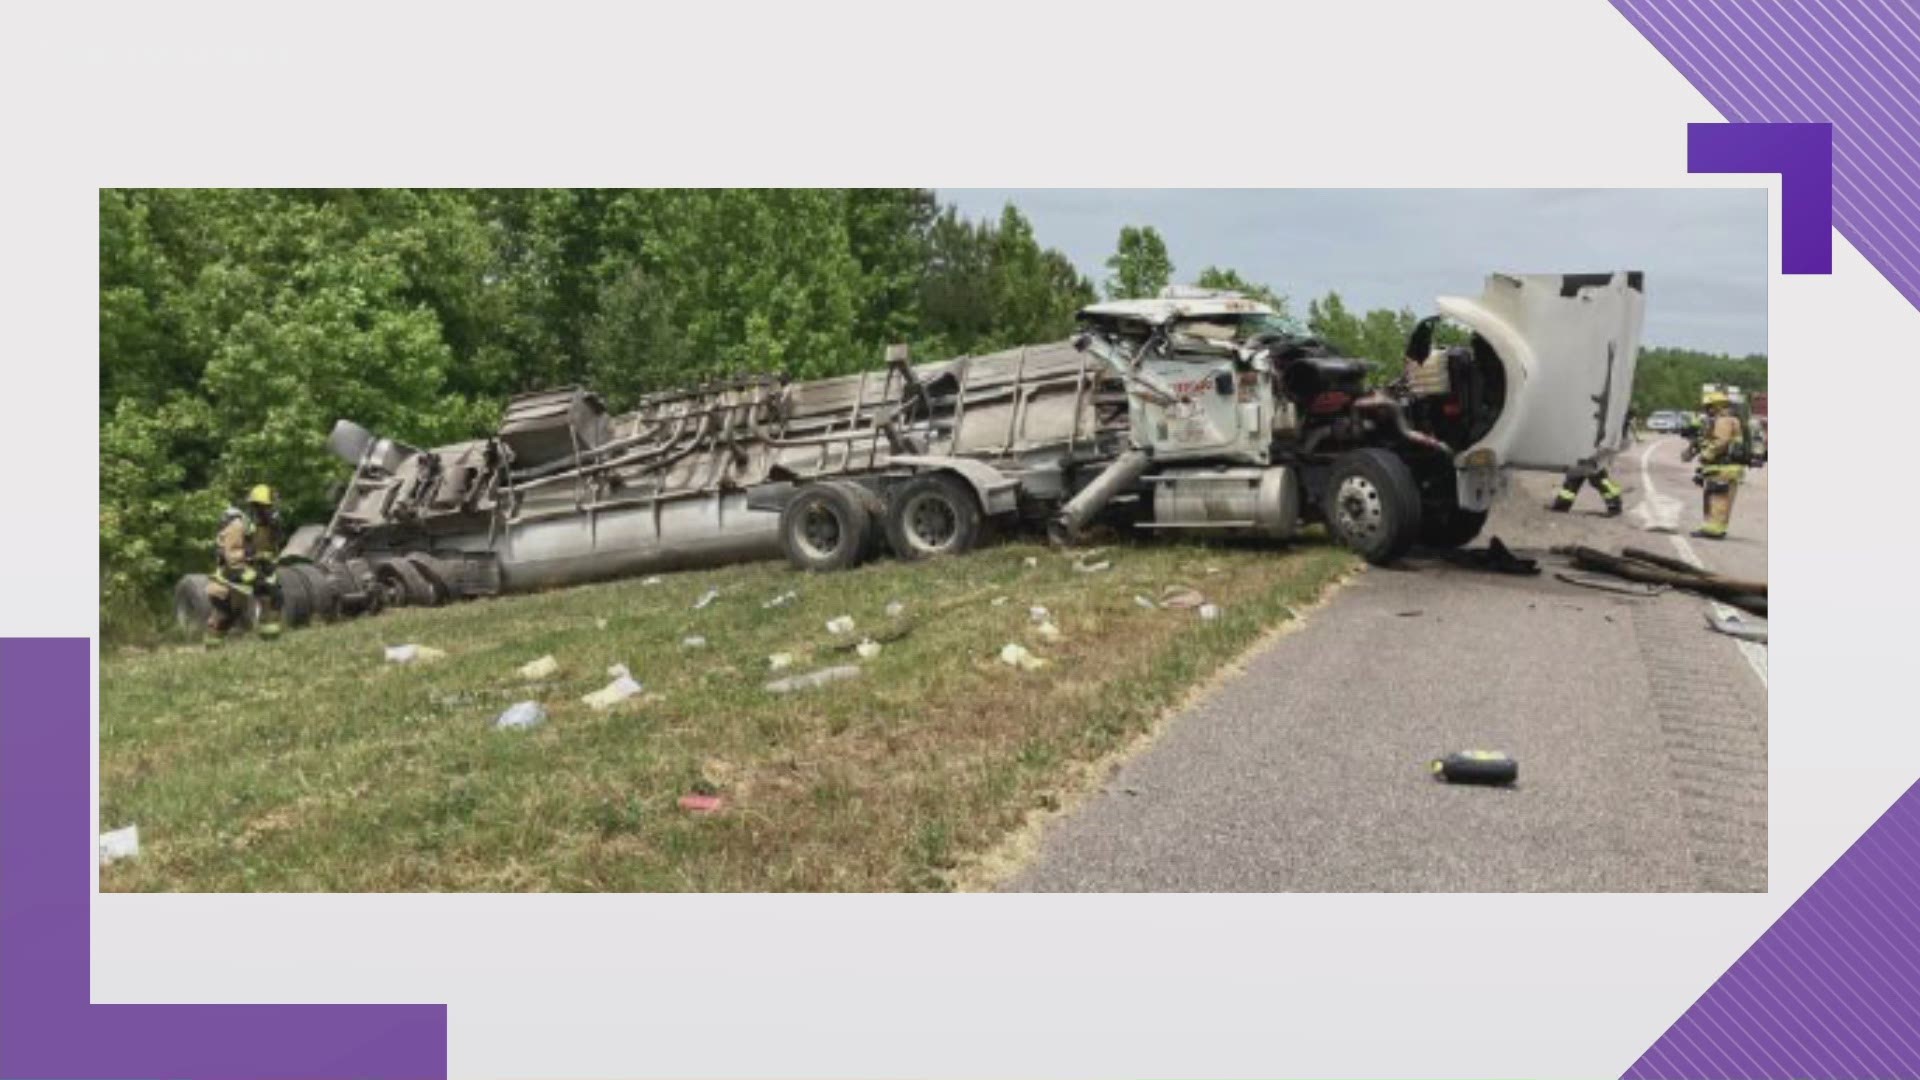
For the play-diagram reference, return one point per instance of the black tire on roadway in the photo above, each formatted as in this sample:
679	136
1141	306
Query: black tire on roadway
1450	526
826	526
933	514
1372	504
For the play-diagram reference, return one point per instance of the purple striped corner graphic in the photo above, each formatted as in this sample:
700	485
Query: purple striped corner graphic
49	1029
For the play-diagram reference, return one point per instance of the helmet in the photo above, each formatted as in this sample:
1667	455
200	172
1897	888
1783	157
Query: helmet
1712	398
261	495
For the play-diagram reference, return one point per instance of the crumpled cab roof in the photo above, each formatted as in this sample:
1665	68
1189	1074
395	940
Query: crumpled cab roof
1177	302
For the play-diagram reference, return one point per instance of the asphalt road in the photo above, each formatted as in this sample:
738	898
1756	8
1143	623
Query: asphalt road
1641	734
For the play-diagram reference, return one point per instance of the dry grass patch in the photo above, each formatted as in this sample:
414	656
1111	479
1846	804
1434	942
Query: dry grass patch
310	764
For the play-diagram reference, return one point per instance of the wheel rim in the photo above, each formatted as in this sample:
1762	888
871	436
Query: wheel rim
1359	510
820	534
931	523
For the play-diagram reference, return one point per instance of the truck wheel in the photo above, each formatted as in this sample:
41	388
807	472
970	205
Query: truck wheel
191	607
1450	526
296	602
405	585
826	527
1372	504
935	514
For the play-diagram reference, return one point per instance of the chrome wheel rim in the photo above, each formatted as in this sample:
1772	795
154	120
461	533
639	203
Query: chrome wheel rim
820	535
931	523
1359	510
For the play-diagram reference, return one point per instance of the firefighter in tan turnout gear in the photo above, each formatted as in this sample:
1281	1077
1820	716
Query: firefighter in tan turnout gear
244	551
1722	450
1588	471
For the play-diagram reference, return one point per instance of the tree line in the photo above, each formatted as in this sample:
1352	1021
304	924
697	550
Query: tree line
237	325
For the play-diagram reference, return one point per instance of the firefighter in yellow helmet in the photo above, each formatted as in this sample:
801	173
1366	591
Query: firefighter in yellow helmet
1722	450
244	551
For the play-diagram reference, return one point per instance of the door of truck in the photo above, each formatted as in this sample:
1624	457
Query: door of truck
1568	343
1224	409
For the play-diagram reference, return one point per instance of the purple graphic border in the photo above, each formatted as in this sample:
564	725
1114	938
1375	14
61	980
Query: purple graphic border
1827	94
48	1027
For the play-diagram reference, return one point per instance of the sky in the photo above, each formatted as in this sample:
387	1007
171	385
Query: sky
1703	250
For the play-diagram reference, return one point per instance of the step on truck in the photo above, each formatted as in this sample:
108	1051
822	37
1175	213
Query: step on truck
1193	412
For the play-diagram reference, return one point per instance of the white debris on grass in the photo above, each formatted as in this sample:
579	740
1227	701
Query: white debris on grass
413	654
600	623
1000	601
895	609
1209	612
693	641
782	600
521	714
780	661
812	679
1016	655
1037	614
1030	562
619	671
868	648
544	668
615	692
1092	568
1179	596
651	581
1144	602
1048	632
706	598
119	844
840	624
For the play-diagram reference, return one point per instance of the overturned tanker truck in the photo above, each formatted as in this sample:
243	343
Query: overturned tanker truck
1196	412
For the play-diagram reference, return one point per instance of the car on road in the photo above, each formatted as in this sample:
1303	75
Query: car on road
1664	420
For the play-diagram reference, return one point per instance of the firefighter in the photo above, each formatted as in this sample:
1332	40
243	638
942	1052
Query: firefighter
1722	450
1587	471
244	551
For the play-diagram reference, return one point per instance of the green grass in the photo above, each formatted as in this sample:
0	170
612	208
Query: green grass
312	764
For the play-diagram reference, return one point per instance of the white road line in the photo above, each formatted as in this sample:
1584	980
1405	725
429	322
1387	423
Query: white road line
1662	512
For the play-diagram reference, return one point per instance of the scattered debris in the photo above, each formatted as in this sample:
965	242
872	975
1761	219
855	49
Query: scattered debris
840	624
618	671
1144	602
1213	570
1092	568
1179	597
1048	632
1733	625
1037	614
693	641
620	689
1646	567
600	623
413	654
1016	655
813	678
895	609
1496	557
521	714
1030	562
1476	767
868	648
696	803
544	668
651	581
1209	612
706	598
999	601
780	661
1410	613
120	844
1612	584
782	600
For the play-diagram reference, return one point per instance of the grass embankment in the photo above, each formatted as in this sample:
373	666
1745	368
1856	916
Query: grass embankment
312	764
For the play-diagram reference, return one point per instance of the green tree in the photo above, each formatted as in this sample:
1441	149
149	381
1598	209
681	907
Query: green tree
1140	264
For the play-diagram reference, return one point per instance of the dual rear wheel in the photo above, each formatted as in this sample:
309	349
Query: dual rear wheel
838	524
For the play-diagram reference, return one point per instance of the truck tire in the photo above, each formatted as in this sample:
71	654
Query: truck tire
1372	504
191	608
826	527
323	595
1450	526
296	600
405	584
931	515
